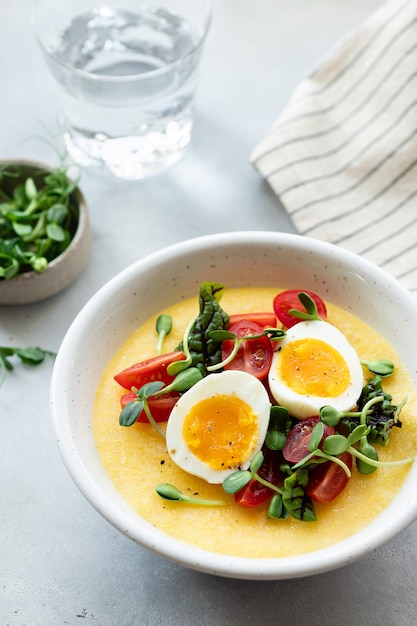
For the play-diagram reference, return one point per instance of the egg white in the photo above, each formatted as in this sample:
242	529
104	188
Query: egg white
302	406
231	383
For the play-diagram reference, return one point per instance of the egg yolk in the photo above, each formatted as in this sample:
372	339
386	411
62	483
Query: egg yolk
313	367
221	431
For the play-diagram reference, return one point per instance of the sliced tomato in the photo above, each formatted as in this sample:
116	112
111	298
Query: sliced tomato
255	494
264	319
149	371
159	406
296	446
329	479
287	300
254	355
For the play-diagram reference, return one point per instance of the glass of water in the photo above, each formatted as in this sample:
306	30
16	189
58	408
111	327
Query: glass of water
126	76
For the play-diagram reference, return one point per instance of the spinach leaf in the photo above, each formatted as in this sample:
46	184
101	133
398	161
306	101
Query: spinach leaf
295	499
204	350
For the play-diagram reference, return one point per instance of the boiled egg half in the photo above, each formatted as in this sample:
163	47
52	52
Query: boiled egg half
314	366
218	425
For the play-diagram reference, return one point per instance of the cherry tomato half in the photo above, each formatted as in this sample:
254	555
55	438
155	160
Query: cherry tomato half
255	494
149	371
254	355
296	446
329	479
264	319
159	406
287	300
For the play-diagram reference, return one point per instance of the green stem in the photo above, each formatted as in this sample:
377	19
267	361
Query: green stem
370	461
266	483
151	419
229	359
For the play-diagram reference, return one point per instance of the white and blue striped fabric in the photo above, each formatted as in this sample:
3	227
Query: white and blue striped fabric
342	157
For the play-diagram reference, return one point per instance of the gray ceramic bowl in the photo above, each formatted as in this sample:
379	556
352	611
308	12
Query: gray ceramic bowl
63	270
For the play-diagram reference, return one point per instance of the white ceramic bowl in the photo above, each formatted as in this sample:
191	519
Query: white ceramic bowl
33	286
235	259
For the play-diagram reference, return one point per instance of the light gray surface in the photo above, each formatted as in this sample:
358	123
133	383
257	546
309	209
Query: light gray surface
60	562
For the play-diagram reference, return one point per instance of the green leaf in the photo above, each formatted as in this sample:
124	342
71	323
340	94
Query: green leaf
55	232
329	415
256	462
170	492
275	440
295	499
380	367
31	356
369	451
335	445
163	327
30	189
204	350
279	426
23	230
184	380
57	213
316	436
130	413
276	509
236	481
150	389
357	433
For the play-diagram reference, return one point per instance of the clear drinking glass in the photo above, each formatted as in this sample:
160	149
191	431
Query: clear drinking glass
126	76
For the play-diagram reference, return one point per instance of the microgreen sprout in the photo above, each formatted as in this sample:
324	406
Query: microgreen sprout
310	306
279	426
239	479
172	493
134	408
163	328
182	382
178	366
274	334
38	219
335	445
380	367
29	356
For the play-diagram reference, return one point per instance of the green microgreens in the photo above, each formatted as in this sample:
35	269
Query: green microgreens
29	356
380	367
335	445
178	366
163	327
38	219
280	424
172	493
182	382
291	499
274	334
239	479
310	312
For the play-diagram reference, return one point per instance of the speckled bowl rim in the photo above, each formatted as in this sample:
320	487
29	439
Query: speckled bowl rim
32	286
175	273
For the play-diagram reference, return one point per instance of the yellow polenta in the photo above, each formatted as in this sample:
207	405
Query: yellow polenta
136	458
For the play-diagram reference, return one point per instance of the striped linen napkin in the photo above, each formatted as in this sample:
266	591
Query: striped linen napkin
342	157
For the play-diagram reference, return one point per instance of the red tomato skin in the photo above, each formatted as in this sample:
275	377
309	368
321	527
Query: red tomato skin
328	480
264	319
296	446
160	407
254	355
151	370
288	299
254	494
